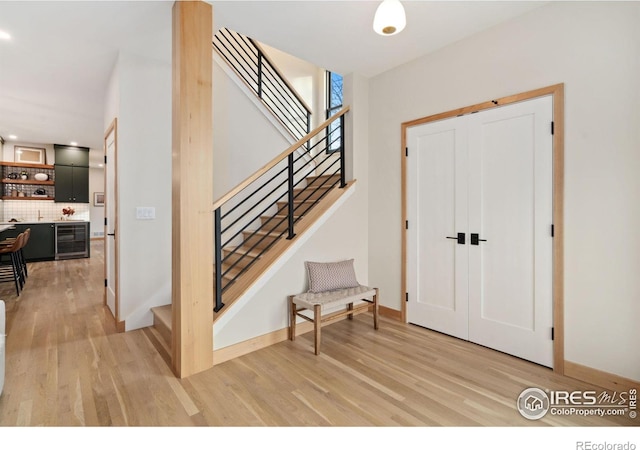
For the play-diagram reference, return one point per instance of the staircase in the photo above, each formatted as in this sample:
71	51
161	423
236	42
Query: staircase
272	228
241	265
261	217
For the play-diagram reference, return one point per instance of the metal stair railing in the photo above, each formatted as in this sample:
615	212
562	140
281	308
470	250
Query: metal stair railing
255	68
265	207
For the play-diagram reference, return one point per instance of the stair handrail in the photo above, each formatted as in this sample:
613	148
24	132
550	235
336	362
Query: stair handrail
271	164
247	58
287	190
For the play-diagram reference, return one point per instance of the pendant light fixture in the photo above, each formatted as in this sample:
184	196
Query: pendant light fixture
390	18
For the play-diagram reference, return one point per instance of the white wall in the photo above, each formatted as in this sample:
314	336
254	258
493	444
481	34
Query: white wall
344	235
139	95
306	78
243	139
594	48
144	179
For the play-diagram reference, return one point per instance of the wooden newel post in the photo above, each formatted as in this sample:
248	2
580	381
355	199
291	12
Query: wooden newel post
192	189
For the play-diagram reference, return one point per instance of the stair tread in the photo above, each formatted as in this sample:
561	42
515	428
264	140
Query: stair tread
324	176
262	233
228	270
296	200
163	314
312	188
241	250
278	216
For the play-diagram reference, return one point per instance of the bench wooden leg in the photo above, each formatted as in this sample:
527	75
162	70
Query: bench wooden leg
350	308
375	310
292	319
317	318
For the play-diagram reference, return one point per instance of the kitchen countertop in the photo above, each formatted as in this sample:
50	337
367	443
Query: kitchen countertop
41	221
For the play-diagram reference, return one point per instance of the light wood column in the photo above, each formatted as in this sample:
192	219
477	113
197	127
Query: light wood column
192	189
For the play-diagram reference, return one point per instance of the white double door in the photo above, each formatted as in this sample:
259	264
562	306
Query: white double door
479	243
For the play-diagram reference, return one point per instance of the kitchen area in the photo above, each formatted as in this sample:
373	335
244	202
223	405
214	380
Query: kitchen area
46	188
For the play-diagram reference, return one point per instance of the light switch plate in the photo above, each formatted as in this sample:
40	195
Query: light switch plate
145	212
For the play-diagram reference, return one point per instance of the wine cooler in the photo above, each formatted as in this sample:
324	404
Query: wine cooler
72	240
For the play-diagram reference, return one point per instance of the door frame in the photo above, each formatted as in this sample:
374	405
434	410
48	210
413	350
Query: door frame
557	93
113	128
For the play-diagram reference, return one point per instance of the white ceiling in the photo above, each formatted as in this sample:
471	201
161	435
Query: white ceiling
55	69
338	35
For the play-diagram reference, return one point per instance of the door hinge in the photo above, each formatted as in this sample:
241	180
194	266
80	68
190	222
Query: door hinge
105	282
105	159
553	335
406	296
406	151
553	128
105	221
406	224
553	231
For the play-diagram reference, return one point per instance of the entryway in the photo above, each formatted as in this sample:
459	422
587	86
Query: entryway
480	230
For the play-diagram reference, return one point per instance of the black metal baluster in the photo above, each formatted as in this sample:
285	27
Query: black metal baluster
259	74
343	182
218	259
308	130
291	208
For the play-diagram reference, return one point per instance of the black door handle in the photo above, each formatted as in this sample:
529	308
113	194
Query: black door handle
475	239
111	234
461	238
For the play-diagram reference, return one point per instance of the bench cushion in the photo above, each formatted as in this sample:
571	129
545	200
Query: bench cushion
334	298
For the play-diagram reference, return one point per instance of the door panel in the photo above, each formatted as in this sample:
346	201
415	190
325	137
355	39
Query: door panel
487	175
503	189
111	272
510	275
437	200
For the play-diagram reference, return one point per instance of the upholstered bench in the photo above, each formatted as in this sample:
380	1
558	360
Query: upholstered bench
316	302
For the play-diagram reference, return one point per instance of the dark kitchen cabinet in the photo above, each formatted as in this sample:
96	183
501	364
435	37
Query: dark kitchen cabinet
41	245
72	184
71	174
71	156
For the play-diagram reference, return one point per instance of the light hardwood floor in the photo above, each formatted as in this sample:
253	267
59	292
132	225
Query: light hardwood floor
66	365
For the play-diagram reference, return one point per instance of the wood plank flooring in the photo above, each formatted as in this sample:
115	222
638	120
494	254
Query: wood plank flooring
67	366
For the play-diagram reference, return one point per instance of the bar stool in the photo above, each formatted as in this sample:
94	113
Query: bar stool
23	260
13	271
9	241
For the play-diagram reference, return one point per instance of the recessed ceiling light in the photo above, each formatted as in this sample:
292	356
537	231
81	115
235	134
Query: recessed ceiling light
4	36
13	137
74	143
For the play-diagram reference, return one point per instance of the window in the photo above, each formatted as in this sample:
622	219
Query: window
334	104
